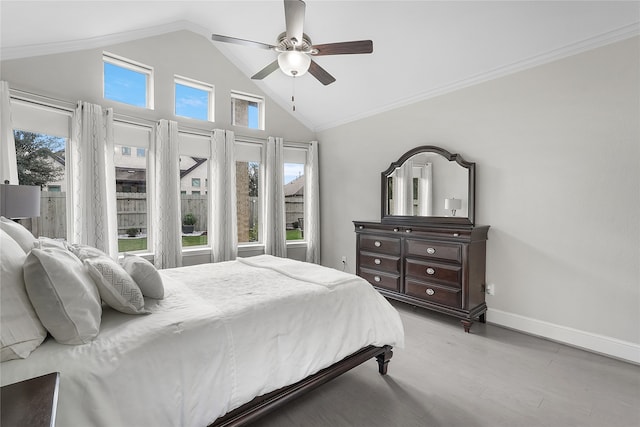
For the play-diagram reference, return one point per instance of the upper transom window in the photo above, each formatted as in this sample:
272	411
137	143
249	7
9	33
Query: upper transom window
193	99
127	81
247	110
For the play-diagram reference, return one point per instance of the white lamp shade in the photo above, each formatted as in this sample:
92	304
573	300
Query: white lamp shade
19	201
294	63
451	204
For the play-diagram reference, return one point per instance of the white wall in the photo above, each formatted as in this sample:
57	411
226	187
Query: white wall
78	76
557	152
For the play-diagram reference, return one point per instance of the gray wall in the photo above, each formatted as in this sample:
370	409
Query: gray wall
78	76
558	171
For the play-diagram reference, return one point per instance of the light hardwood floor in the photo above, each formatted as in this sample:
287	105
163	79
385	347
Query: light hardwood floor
491	377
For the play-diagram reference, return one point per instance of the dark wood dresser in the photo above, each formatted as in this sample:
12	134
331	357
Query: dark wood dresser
438	267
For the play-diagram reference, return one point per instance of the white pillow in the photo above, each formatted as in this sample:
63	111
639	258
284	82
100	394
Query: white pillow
145	275
85	251
21	235
47	242
20	329
63	294
116	287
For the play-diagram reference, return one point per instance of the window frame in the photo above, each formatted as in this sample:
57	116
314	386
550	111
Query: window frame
260	100
195	84
131	65
292	147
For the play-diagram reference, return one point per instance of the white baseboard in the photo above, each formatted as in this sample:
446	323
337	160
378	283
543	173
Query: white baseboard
612	347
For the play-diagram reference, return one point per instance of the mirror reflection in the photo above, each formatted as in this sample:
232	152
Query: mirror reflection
428	184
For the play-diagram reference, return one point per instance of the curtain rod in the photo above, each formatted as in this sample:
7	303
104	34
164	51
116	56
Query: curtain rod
46	101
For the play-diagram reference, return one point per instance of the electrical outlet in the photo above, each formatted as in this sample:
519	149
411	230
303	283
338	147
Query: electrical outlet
491	289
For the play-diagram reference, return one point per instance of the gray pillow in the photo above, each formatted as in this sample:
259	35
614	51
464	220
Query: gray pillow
145	275
116	287
85	251
20	329
63	294
21	235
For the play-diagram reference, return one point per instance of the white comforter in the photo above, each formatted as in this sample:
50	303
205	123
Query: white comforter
224	334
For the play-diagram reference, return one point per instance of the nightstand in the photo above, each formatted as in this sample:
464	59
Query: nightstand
30	402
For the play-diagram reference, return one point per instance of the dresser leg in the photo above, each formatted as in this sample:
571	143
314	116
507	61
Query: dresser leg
466	324
383	359
483	318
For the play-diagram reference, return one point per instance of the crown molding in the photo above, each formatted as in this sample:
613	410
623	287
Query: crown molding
600	40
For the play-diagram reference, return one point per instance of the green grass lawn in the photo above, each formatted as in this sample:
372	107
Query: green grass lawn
130	245
294	234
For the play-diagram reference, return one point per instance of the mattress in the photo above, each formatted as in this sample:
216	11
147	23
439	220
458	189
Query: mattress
224	334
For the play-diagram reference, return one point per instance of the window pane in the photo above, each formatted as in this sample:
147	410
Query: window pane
192	102
131	200
193	204
246	110
141	152
125	85
294	200
247	201
41	162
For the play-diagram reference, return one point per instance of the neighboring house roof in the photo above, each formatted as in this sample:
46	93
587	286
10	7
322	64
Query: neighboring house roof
295	187
198	161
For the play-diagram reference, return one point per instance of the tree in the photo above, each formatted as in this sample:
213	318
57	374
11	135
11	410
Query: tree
34	154
253	179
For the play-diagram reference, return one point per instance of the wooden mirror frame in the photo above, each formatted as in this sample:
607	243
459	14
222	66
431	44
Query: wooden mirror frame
430	220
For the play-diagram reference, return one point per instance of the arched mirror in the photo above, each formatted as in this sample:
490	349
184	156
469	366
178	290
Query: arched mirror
428	184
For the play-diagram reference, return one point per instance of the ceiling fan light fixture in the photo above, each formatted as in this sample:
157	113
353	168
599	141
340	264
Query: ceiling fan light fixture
294	63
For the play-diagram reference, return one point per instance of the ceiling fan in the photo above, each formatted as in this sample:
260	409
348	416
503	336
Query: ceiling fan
295	49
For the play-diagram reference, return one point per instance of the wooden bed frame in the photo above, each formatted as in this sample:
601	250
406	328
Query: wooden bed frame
262	405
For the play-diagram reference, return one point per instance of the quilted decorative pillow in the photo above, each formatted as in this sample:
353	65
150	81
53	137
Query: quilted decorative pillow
145	275
85	251
116	287
46	242
63	294
21	235
20	329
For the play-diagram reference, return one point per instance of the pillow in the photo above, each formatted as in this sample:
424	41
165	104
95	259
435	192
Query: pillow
116	287
63	294
21	235
145	275
85	251
47	242
20	329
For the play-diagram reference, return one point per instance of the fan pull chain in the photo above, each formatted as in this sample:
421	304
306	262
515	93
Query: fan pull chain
293	93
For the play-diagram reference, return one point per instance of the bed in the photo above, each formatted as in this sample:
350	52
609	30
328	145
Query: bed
229	342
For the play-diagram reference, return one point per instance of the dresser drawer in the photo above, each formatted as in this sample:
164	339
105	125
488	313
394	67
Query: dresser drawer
381	280
449	274
380	244
380	262
435	250
434	293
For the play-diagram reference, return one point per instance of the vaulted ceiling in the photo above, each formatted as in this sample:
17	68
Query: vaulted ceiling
421	48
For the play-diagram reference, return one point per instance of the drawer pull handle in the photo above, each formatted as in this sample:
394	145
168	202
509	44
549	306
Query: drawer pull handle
456	234
408	230
430	291
377	278
431	251
377	244
377	261
361	227
396	229
430	270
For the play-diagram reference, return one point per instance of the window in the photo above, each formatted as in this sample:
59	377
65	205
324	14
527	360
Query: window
248	202
127	81
247	110
132	203
141	152
294	186
193	99
195	151
41	135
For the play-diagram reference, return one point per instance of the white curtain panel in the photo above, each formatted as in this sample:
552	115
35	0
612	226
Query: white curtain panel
425	189
274	215
312	199
8	165
223	221
166	224
92	193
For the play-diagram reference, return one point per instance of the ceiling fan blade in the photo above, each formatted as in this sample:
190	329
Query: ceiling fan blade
266	71
344	48
226	39
320	73
294	18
